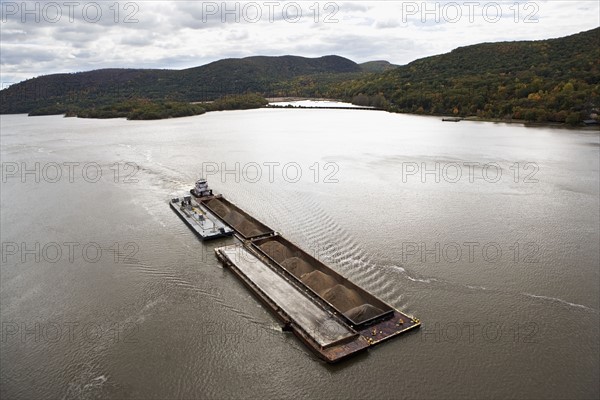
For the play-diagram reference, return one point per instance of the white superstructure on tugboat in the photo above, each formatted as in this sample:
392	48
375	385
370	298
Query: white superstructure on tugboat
201	189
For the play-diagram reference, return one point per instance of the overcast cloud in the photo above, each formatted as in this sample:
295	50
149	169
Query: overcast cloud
48	37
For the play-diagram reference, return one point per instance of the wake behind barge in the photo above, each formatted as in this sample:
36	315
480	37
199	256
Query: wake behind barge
330	314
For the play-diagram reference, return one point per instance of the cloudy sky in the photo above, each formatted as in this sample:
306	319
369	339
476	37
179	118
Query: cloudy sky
46	37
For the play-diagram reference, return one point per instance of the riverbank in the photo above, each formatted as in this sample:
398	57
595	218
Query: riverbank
145	109
141	109
443	117
532	124
286	99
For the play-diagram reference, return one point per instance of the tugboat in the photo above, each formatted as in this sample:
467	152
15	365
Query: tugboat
197	216
201	189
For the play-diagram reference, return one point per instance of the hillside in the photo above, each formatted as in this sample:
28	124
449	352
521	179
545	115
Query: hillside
554	80
59	93
549	80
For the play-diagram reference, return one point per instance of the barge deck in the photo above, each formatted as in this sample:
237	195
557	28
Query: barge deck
200	220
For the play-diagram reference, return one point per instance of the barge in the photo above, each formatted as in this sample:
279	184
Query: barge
329	313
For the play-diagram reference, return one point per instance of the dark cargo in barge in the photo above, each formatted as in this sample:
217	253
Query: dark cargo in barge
353	303
243	223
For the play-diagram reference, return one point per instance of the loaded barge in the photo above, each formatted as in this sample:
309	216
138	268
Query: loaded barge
330	314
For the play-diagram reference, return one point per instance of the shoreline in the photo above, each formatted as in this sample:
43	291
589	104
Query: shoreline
531	124
283	99
525	123
528	124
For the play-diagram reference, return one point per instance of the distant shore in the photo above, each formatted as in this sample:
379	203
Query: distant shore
284	99
159	110
532	124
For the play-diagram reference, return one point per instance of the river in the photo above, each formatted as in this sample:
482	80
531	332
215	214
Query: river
488	233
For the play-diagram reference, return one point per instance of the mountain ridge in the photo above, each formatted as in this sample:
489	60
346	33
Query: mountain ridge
201	83
543	80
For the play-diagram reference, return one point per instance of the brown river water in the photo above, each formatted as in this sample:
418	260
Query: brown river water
488	233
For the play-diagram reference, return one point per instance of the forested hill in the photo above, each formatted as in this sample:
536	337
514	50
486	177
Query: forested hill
62	92
554	80
547	80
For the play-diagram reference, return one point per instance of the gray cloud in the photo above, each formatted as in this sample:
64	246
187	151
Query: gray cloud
182	34
26	55
137	39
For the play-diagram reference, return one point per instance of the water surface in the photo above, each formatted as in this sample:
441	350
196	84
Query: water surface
500	262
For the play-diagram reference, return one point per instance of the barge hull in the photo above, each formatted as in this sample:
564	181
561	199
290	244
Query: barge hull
203	234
